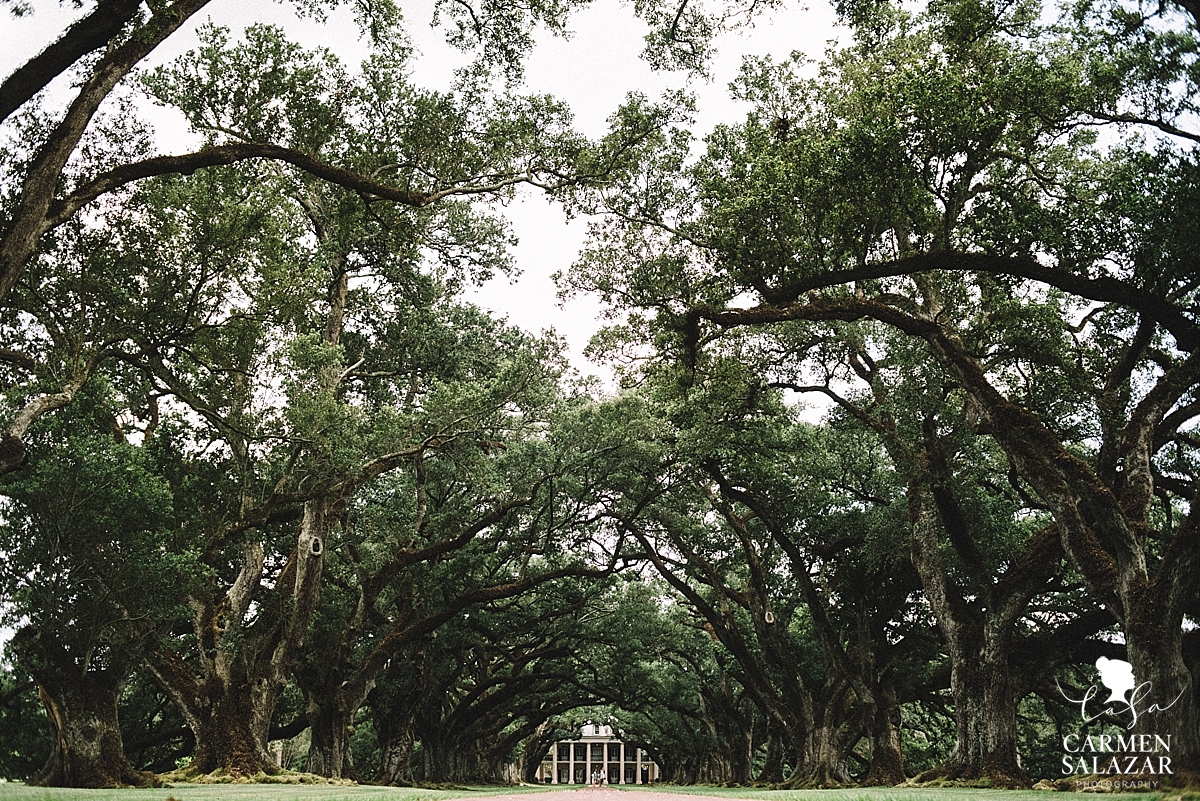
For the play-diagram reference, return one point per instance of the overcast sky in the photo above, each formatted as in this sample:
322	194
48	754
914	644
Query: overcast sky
592	71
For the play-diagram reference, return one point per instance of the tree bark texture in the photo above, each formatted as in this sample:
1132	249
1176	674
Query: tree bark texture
887	755
396	741
980	645
87	750
81	708
331	720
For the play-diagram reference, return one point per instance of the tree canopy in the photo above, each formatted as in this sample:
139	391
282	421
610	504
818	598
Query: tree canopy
904	438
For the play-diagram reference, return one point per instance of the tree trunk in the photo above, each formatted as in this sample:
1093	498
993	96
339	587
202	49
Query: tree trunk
683	771
444	760
228	711
827	756
394	716
395	754
331	718
985	712
887	755
87	750
985	692
226	740
1104	528
772	769
716	769
829	766
435	760
980	644
1154	644
228	708
81	708
742	763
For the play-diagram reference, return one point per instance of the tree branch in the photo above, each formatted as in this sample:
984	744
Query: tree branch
90	33
1101	289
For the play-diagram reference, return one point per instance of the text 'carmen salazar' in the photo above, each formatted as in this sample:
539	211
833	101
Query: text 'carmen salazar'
1107	754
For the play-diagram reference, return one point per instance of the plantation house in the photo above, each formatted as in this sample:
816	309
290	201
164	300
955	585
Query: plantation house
598	755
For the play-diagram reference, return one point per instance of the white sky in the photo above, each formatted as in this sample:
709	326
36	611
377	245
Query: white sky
592	71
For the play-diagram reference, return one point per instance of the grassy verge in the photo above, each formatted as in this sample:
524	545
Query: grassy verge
16	791
896	794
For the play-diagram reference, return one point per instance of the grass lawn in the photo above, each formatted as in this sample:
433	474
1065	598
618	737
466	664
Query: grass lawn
16	791
901	794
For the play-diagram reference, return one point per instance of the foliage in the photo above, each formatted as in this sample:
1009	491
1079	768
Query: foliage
906	431
24	741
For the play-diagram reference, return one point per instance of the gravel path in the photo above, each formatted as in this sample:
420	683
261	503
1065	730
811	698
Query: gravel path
597	794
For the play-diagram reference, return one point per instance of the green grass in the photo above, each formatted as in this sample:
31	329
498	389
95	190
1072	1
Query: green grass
16	791
892	794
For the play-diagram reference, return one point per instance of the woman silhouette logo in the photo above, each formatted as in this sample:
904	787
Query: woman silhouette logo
1117	676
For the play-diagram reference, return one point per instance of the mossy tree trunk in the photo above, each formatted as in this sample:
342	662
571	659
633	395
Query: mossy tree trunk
331	722
887	754
980	636
245	665
1103	518
394	720
87	750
